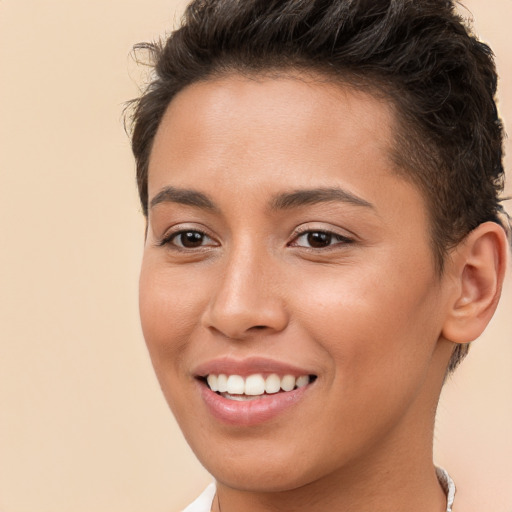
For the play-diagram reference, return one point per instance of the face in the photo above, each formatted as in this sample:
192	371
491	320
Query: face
288	293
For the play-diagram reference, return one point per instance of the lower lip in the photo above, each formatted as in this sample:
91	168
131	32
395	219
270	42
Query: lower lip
250	412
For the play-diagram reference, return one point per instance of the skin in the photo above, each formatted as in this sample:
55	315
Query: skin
366	314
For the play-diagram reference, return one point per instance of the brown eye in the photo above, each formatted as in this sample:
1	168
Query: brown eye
188	239
191	239
319	239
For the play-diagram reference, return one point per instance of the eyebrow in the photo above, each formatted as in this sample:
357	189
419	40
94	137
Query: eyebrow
300	198
284	201
183	196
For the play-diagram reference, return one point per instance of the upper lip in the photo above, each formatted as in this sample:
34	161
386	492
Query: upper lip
248	366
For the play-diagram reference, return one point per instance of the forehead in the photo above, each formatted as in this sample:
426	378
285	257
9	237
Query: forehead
270	132
318	101
280	114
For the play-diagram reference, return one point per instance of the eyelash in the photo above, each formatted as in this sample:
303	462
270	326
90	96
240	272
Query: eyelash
332	236
170	238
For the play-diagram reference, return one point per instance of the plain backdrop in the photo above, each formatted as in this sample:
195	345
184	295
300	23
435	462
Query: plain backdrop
83	426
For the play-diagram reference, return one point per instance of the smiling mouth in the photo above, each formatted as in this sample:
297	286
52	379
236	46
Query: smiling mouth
256	386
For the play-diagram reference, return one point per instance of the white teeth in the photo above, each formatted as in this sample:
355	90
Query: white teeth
236	385
302	381
273	383
287	382
240	398
222	383
213	382
254	385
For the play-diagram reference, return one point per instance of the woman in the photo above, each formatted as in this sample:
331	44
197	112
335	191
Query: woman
321	184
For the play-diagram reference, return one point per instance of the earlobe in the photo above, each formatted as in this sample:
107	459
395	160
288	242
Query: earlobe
478	266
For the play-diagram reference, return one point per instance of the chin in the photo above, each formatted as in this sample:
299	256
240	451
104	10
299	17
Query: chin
260	467
259	478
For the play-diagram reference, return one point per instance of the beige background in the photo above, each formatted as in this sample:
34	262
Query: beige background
83	426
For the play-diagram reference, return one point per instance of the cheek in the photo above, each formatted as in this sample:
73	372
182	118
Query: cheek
169	316
169	312
376	319
378	338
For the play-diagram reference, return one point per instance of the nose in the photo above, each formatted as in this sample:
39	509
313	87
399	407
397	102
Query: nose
247	298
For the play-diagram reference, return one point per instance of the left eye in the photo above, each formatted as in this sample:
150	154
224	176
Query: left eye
319	239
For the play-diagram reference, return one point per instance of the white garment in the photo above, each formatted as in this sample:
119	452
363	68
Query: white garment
205	501
448	487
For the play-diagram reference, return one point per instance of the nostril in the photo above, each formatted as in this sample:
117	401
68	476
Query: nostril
236	319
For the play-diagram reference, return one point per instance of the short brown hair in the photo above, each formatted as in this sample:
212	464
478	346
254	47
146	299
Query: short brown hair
419	54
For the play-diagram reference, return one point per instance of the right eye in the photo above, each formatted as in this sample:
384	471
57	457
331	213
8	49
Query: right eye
188	239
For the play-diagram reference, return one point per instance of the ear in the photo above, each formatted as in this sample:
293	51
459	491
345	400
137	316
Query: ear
478	268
